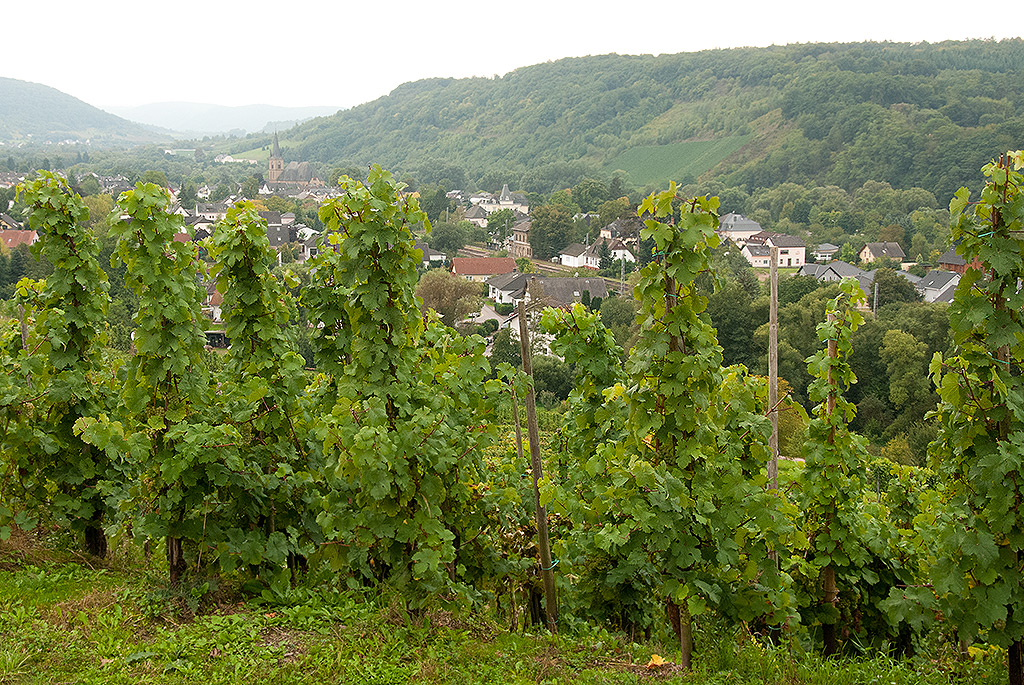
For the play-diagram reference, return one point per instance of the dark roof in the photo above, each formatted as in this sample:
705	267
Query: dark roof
779	240
271	217
508	282
842	269
951	257
811	270
563	291
892	250
428	253
826	248
574	250
936	279
297	172
758	250
737	222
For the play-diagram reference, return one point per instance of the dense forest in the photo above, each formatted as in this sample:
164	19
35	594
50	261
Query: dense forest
912	115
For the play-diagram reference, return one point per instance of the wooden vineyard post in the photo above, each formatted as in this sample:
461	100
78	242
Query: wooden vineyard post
828	574
543	544
773	370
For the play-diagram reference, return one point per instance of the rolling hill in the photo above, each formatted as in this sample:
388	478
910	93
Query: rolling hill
38	113
201	119
926	115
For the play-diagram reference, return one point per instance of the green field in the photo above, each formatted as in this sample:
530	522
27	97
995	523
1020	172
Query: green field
658	164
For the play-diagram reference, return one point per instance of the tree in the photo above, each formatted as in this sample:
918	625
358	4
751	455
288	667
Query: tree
448	295
525	265
89	185
893	287
435	203
187	196
251	188
500	223
447	237
551	229
589	194
905	359
605	255
564	199
157	177
618	208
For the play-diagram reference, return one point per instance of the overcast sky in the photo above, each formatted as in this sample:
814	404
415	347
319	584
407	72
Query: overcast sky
340	53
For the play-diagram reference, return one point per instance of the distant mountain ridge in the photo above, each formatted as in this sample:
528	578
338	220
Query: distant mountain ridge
206	119
38	113
914	115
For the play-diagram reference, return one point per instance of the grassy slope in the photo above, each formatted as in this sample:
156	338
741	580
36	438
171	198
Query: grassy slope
65	619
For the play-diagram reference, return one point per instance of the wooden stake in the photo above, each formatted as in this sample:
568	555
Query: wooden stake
543	544
773	370
830	593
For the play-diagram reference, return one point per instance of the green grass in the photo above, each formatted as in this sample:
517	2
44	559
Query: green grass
657	164
65	619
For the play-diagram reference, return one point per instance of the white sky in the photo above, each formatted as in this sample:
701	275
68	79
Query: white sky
341	53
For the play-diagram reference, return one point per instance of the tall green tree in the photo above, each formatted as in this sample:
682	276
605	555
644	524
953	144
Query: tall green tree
551	229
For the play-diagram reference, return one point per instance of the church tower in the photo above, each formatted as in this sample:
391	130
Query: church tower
276	162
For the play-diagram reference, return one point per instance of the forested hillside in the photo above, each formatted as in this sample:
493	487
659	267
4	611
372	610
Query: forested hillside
32	111
911	115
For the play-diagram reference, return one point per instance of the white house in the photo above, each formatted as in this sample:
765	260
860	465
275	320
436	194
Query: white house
792	251
737	228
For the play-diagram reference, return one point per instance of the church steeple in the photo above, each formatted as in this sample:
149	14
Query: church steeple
276	162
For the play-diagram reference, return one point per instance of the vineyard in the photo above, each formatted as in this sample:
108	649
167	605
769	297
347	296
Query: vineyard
388	485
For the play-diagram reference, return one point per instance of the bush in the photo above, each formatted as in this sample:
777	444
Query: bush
504	308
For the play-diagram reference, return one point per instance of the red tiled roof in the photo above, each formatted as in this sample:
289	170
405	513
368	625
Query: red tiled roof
13	238
483	266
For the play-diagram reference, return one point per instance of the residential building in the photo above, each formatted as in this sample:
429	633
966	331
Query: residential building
521	241
938	285
11	238
873	251
517	202
759	256
553	291
951	261
479	269
9	223
792	251
825	252
757	249
737	228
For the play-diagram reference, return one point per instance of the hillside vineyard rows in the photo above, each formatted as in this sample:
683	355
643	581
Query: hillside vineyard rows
391	464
